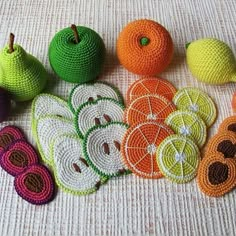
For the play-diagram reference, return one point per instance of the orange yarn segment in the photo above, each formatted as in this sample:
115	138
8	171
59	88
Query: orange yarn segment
229	124
149	58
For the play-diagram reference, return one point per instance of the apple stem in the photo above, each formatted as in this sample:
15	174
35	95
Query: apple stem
11	42
74	28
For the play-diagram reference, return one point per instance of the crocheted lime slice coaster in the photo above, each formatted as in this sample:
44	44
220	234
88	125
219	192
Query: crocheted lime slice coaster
228	124
193	99
101	148
47	129
150	85
71	170
99	112
189	125
178	158
92	91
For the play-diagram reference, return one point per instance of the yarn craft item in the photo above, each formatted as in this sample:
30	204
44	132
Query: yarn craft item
150	107
139	148
233	102
188	124
150	85
5	104
195	100
17	157
228	125
178	158
145	47
72	172
211	61
99	112
21	74
77	54
92	91
101	149
35	185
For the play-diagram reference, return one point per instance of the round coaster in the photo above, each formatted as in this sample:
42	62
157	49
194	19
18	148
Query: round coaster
139	148
35	185
150	85
72	172
193	99
99	112
148	108
188	124
228	124
92	91
101	148
178	158
216	175
18	156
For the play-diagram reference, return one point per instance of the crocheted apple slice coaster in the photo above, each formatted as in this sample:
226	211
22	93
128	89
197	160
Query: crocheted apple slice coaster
178	158
35	185
101	148
92	91
150	85
228	124
99	112
188	124
148	108
8	135
72	172
18	156
195	100
216	175
139	148
47	129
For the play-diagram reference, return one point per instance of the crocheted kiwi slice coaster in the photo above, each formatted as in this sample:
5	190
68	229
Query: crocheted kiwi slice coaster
228	124
193	99
72	172
35	185
150	85
18	156
99	112
47	129
148	108
178	158
189	125
139	148
101	148
92	91
8	135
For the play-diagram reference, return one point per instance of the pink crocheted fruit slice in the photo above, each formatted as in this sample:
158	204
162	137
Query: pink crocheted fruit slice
18	156
9	134
35	185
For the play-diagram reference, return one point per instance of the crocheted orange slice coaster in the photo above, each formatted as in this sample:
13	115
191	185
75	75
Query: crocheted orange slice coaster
229	124
139	148
150	85
216	175
148	108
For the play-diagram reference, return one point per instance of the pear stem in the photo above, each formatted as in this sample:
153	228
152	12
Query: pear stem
74	28
11	42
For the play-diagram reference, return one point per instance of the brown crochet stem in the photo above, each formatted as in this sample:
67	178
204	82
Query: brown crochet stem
74	28
11	42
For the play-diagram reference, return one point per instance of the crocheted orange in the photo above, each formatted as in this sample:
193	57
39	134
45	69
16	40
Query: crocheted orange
229	124
145	47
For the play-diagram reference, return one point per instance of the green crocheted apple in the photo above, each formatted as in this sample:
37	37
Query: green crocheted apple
21	74
77	54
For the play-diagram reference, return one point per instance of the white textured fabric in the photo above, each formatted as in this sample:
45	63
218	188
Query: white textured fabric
126	205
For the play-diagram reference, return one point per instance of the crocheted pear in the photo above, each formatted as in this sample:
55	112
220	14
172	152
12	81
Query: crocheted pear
211	61
20	73
77	54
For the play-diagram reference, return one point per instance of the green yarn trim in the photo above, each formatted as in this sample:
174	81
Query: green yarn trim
187	45
144	41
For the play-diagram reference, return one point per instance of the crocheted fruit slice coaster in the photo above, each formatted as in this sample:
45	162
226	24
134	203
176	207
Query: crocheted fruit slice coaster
92	91
35	185
9	134
148	108
17	157
193	99
139	148
47	129
188	124
72	172
178	158
99	112
101	148
150	85
228	124
216	175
